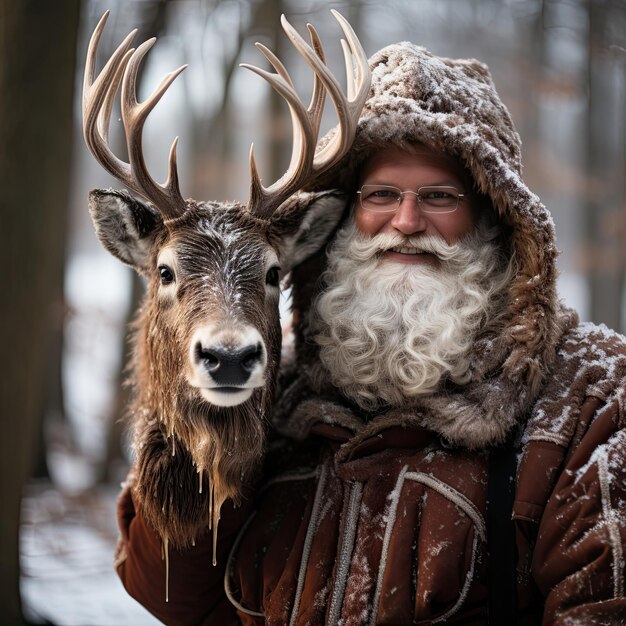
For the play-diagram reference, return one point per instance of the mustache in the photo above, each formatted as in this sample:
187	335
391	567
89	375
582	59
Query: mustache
364	248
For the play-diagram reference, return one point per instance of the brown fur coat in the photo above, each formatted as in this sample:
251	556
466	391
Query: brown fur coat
383	521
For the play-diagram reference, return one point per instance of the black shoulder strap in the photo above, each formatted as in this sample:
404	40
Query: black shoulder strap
502	549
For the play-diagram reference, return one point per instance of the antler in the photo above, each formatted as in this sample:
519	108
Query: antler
305	162
98	97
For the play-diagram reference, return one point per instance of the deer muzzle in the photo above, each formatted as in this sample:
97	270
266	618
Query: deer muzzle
227	366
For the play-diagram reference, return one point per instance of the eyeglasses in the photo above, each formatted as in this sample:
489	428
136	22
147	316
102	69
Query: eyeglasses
387	199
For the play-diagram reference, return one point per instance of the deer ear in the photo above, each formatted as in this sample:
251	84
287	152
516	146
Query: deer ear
125	226
305	222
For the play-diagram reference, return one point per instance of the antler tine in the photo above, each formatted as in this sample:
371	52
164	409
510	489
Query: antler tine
318	97
98	97
306	124
348	115
96	102
350	80
305	164
275	62
303	139
167	197
362	66
320	70
104	118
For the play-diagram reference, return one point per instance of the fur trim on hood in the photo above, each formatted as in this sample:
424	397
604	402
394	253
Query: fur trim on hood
452	106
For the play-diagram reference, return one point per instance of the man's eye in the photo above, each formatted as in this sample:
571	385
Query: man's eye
272	277
166	274
381	196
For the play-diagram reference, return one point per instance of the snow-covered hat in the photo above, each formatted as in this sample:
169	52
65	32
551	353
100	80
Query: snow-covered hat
450	105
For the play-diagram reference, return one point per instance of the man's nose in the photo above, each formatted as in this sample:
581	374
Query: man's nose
409	218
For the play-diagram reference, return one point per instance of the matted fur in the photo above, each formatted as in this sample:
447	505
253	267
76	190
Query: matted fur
191	455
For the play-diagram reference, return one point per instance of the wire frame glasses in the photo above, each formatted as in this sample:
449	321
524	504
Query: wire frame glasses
431	199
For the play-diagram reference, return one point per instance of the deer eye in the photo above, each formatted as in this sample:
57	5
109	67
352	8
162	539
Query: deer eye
166	274
272	277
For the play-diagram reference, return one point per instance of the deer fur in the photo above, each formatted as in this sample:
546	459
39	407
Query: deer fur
191	455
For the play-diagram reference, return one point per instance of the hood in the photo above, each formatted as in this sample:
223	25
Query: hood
452	106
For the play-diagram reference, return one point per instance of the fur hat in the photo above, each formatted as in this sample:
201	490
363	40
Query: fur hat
452	106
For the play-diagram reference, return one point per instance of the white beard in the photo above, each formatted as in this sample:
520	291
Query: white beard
389	331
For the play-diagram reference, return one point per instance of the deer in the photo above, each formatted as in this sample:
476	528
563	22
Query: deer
207	336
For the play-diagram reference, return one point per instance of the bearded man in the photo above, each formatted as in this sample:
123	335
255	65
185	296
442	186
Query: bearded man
411	279
448	446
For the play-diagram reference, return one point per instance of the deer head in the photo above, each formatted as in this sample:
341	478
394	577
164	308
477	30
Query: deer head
208	337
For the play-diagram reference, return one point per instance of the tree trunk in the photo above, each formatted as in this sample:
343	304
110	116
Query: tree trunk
212	136
605	290
279	141
37	62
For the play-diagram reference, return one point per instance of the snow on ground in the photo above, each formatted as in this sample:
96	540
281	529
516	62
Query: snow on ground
66	546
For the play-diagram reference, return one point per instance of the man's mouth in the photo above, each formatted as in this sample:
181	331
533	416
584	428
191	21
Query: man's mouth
410	255
406	250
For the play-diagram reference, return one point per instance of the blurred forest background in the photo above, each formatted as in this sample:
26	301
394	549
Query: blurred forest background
559	65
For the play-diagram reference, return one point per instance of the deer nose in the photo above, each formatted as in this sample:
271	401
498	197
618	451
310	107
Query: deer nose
227	366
